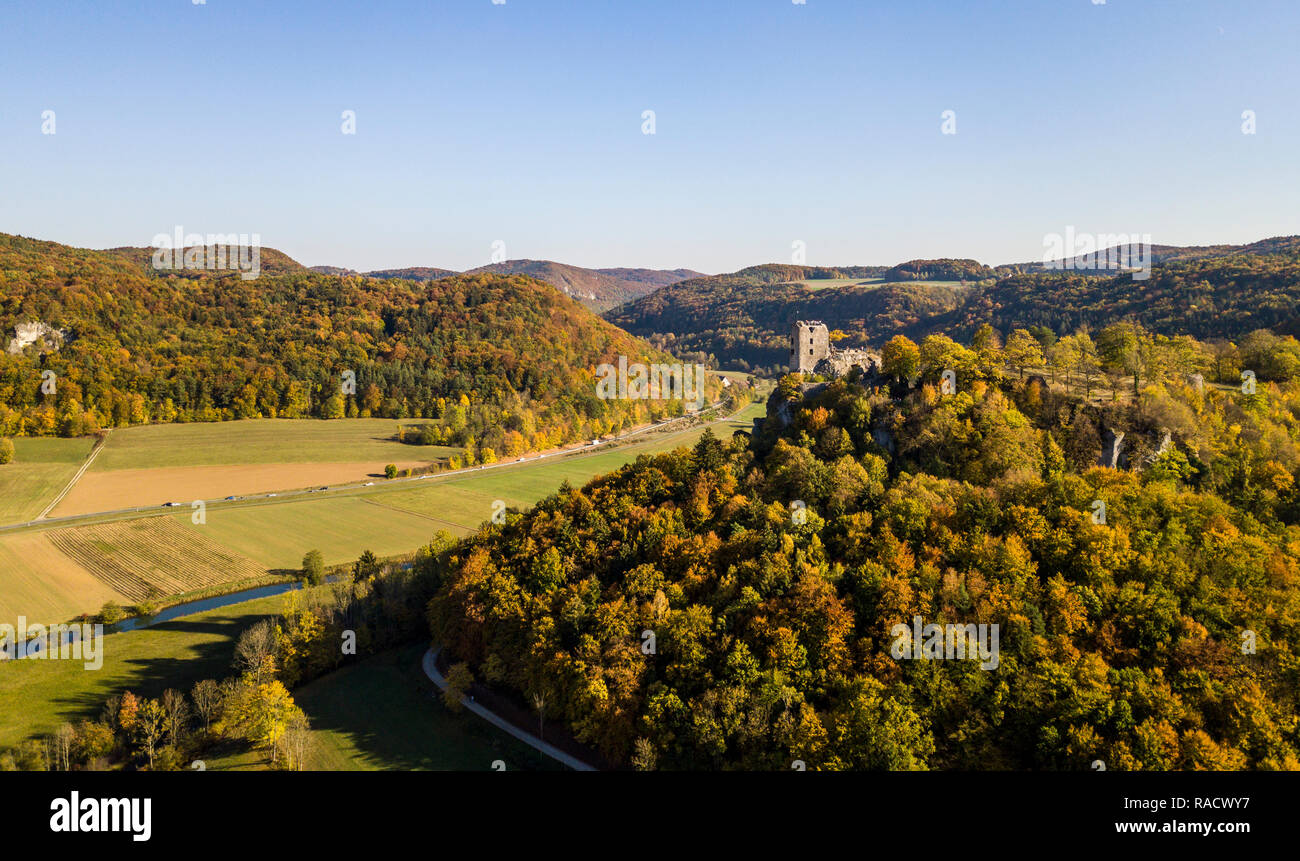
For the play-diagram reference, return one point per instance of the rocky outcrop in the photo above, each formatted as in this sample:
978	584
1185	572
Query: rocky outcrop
840	362
1112	449
34	332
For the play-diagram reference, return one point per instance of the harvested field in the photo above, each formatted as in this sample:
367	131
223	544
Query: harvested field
136	557
43	584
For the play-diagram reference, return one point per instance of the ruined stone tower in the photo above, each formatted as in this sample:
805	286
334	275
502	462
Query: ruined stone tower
810	342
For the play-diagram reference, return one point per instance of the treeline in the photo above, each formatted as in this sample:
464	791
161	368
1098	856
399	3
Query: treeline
743	320
1211	298
944	269
734	605
485	356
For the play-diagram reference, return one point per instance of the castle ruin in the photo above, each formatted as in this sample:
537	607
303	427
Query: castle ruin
811	352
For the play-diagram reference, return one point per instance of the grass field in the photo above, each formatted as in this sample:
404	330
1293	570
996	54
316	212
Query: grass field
383	713
40	469
39	695
378	714
260	441
277	534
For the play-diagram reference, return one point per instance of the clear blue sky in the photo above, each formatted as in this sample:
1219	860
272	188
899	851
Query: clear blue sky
775	122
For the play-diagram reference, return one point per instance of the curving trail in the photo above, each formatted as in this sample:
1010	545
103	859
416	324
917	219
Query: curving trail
430	663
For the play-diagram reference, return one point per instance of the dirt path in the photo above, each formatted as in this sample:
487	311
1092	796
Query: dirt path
90	458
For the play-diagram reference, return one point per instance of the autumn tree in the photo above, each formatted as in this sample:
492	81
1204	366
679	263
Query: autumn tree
900	358
1023	351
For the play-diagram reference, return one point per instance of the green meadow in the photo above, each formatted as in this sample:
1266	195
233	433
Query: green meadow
41	467
383	713
38	695
277	534
252	441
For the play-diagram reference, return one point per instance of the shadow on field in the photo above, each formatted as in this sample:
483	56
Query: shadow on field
382	713
148	661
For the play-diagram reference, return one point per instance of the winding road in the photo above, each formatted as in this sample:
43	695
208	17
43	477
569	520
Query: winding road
431	670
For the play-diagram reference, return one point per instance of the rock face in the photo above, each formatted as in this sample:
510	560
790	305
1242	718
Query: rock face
30	333
1112	446
840	362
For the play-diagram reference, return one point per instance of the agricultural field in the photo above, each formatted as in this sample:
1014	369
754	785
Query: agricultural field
119	559
260	441
40	469
154	464
152	557
39	581
277	534
129	488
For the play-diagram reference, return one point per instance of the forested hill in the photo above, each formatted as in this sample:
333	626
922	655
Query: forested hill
1183	253
939	270
489	356
775	576
597	289
1212	297
743	320
270	261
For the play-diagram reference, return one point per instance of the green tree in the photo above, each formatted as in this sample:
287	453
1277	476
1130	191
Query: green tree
313	568
1023	351
365	567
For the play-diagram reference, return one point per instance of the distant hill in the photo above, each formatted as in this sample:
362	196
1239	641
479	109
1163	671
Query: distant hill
411	273
1163	254
1209	296
500	362
270	261
597	289
743	320
783	273
656	277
